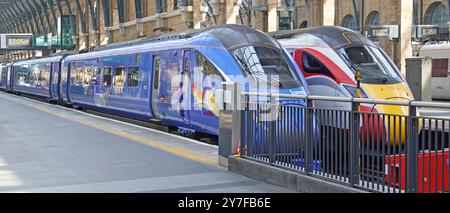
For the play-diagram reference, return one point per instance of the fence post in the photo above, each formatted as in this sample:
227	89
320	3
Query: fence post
354	144
245	125
309	142
412	150
272	129
229	122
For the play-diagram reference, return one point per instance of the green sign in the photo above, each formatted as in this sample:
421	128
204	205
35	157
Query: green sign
285	23
62	40
67	31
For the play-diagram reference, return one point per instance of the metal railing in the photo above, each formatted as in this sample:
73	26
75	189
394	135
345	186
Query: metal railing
351	144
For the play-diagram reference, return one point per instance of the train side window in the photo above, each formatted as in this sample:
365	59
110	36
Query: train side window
107	76
87	76
186	65
78	76
133	77
156	71
97	73
119	77
440	67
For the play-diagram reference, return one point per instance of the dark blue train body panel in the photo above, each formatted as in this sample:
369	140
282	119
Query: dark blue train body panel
38	77
5	76
174	81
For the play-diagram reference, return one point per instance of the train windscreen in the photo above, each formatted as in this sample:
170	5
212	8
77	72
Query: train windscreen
264	63
373	64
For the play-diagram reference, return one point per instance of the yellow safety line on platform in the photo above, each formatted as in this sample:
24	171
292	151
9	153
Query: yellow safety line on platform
171	149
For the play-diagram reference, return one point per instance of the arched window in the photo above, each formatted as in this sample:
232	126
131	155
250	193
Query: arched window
437	14
304	24
349	22
373	19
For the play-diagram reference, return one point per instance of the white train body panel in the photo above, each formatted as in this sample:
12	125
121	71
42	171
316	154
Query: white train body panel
440	83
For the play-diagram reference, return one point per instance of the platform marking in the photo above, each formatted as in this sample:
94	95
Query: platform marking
164	147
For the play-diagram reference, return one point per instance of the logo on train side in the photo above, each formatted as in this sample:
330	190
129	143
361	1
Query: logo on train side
297	92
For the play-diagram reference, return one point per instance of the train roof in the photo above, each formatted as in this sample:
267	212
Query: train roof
334	36
55	58
230	35
440	46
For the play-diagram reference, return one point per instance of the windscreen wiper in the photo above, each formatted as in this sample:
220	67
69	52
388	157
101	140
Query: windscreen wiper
356	67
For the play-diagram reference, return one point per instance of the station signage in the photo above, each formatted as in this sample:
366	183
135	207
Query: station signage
16	41
384	31
421	31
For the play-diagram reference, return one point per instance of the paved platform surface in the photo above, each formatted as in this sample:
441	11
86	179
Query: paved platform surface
48	148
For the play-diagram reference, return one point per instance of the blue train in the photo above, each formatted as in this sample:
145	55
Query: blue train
171	79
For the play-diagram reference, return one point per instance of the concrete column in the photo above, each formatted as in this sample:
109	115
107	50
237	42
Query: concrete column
197	15
272	15
83	41
232	11
404	46
328	14
140	27
95	36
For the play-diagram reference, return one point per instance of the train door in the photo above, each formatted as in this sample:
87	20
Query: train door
54	80
206	81
64	82
97	82
186	96
156	86
8	79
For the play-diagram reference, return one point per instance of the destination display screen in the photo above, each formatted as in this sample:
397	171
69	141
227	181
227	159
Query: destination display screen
19	41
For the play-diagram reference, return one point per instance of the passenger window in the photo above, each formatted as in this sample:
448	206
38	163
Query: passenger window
88	76
119	77
133	77
156	70
186	65
97	71
107	77
44	76
78	76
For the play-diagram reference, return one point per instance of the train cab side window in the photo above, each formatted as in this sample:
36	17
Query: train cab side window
133	77
206	67
107	77
156	71
312	65
119	77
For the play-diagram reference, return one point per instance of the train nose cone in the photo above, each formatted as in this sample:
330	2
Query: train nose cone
396	124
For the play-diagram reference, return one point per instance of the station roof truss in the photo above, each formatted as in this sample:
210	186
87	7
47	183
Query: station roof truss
41	16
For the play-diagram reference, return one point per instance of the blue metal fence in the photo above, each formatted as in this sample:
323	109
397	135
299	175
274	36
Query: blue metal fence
393	153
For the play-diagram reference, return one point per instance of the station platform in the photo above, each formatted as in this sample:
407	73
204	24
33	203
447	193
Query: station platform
48	148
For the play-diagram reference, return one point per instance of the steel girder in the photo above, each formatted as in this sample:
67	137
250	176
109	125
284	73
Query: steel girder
107	12
121	8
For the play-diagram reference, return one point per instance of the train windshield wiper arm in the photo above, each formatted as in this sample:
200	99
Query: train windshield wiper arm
356	67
